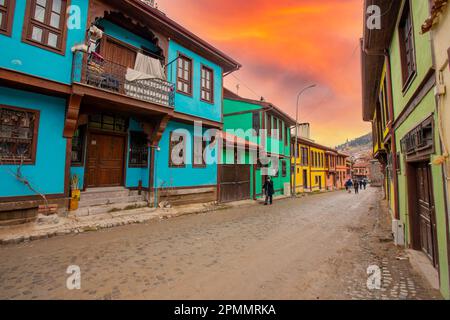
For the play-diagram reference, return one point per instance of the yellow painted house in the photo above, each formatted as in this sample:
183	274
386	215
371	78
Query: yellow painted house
318	171
302	177
311	166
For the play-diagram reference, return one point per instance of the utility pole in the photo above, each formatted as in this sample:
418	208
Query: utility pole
296	137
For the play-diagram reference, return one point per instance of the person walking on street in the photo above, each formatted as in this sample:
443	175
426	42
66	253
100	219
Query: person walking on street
356	185
360	184
349	185
268	191
364	184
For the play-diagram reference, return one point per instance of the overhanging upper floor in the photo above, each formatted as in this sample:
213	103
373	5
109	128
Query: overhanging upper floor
374	43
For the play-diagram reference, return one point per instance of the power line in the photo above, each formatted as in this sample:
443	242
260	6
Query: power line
243	83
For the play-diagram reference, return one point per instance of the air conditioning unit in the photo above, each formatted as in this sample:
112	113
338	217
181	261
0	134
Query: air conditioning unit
398	232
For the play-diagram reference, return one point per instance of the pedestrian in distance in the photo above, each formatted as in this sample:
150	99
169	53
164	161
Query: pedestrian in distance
349	185
356	186
364	184
268	191
360	184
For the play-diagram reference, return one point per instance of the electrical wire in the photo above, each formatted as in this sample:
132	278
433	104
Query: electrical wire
245	85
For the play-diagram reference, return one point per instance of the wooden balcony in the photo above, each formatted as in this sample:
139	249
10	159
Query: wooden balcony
94	71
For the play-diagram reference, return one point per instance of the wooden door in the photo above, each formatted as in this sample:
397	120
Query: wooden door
425	211
243	181
118	53
105	160
234	182
305	179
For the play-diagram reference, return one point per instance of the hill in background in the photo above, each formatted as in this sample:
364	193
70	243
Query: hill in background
359	148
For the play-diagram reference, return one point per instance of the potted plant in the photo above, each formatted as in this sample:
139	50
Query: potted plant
74	192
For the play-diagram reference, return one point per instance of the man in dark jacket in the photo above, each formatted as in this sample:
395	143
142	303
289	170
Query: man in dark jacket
356	186
268	190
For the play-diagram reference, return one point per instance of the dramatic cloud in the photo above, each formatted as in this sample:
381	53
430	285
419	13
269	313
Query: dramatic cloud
284	46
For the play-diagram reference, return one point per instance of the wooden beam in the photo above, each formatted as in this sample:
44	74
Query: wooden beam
186	118
117	101
149	128
159	130
73	110
24	81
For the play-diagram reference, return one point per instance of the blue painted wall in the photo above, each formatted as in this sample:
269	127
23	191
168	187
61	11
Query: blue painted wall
26	58
124	35
193	105
181	177
47	174
80	172
51	149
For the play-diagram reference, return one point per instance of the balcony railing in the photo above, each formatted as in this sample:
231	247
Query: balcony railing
93	70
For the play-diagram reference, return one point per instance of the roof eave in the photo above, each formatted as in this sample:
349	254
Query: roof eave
374	44
227	63
266	106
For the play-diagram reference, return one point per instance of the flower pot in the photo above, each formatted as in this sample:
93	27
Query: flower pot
74	200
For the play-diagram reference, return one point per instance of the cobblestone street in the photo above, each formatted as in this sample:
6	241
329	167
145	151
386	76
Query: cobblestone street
313	247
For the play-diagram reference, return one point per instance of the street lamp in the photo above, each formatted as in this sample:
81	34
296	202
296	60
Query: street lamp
296	136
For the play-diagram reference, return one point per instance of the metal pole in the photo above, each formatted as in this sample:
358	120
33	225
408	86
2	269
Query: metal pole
296	137
155	150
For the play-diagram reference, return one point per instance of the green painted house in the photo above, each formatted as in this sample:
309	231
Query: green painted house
247	120
398	74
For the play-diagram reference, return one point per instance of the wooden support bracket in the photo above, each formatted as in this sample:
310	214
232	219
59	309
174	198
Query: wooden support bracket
159	130
73	110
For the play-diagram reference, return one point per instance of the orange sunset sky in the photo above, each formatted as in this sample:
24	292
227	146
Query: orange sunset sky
285	45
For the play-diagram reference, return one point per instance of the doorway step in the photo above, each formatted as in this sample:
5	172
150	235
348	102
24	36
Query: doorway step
104	200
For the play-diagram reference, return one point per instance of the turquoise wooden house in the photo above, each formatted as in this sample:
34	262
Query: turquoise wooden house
244	179
95	91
